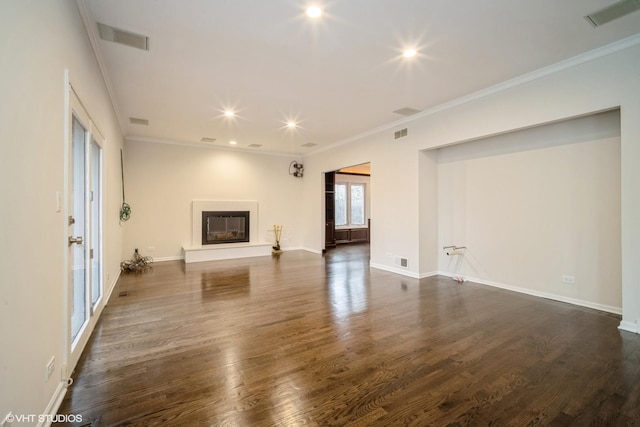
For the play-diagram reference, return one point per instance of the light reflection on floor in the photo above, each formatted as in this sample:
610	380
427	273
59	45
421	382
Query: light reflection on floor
347	273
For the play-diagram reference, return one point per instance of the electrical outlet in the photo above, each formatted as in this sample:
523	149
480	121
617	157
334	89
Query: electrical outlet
569	280
50	367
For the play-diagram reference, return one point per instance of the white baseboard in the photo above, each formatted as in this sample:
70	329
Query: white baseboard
112	286
313	251
168	258
560	298
54	404
396	270
293	249
429	274
625	325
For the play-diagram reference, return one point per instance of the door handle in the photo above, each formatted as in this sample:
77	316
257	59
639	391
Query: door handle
76	240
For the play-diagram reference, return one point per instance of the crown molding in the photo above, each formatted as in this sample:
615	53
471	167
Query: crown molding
517	81
134	138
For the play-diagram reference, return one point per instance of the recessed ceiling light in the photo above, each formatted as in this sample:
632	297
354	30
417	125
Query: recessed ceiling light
229	113
314	12
232	142
409	53
292	125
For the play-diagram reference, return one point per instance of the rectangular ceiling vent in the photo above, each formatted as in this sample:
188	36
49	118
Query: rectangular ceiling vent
407	111
137	121
205	139
255	145
309	145
400	133
615	11
127	38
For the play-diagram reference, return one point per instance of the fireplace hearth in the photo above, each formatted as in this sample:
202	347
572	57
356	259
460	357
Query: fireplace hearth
225	227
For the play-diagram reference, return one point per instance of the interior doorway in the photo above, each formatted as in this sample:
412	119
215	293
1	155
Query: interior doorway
347	207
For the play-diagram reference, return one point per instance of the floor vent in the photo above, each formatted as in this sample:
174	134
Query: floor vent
93	422
123	294
401	262
615	11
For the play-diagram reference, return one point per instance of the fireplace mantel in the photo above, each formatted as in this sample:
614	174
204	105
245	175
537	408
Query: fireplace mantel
197	252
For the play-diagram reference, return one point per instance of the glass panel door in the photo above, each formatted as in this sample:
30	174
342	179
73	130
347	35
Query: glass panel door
85	237
77	226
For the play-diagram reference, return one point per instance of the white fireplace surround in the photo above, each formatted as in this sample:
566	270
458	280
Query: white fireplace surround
198	252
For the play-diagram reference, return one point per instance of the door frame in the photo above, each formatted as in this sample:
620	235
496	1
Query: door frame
74	107
97	138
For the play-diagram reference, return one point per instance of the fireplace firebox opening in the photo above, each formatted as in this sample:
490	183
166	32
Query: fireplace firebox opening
225	227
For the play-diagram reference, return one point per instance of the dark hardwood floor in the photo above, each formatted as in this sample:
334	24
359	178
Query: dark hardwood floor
304	339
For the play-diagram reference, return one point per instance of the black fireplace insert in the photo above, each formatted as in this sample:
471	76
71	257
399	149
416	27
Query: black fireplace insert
225	227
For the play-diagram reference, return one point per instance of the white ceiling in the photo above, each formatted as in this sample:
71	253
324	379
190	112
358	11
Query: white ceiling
338	77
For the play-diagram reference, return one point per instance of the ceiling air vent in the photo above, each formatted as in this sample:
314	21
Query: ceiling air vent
406	111
255	145
309	145
127	38
400	133
615	11
205	139
137	121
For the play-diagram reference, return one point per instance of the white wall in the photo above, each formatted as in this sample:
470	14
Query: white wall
599	81
162	180
428	208
38	41
534	205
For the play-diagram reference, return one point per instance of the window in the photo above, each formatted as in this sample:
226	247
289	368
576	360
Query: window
350	204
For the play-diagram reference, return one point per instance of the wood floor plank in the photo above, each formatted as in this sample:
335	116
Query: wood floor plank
303	339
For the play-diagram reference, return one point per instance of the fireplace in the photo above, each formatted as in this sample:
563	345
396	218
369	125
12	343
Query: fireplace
225	227
202	250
